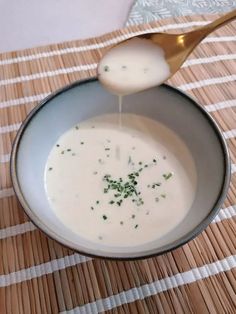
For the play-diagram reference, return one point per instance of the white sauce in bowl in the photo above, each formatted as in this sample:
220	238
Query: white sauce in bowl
120	186
132	66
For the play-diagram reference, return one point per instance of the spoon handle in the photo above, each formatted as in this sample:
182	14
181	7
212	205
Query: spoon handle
221	21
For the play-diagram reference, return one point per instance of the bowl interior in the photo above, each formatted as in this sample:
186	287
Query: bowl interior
83	101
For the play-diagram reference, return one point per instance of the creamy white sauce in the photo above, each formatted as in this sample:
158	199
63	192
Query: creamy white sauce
132	66
81	197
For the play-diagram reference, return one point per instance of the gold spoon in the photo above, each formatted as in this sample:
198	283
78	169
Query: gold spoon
177	47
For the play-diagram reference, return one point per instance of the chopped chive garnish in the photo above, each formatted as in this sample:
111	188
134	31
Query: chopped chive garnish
119	202
100	161
167	175
121	222
69	150
106	68
58	145
107	148
97	202
92	207
133	216
111	202
140	163
50	169
136	226
154	160
156	184
104	217
82	143
163	195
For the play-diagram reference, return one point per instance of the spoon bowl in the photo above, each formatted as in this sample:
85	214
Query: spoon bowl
176	49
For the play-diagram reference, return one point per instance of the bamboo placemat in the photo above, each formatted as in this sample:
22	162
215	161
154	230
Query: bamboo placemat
37	275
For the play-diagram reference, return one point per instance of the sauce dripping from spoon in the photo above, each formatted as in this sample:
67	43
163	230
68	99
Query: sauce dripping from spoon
132	66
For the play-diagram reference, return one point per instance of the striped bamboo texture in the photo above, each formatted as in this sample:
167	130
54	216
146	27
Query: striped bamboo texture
37	275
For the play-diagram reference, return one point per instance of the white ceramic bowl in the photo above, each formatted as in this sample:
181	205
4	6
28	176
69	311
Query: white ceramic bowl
63	109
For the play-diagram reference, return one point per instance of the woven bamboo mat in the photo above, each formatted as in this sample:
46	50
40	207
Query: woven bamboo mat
37	275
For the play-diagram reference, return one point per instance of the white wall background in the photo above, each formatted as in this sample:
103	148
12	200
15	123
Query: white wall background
29	23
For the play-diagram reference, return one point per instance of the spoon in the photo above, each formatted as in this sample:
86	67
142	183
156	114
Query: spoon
175	50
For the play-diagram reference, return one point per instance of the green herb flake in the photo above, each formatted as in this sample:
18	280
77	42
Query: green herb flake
69	150
154	185
62	152
140	163
136	226
92	207
129	160
77	127
111	202
97	202
163	195
119	202
104	217
121	222
167	176
50	169
107	148
108	155
81	143
57	145
106	68
154	160
133	216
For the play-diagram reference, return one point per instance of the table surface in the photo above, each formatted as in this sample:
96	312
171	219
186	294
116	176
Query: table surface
26	24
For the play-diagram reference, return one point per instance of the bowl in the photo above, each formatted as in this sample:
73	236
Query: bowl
83	100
